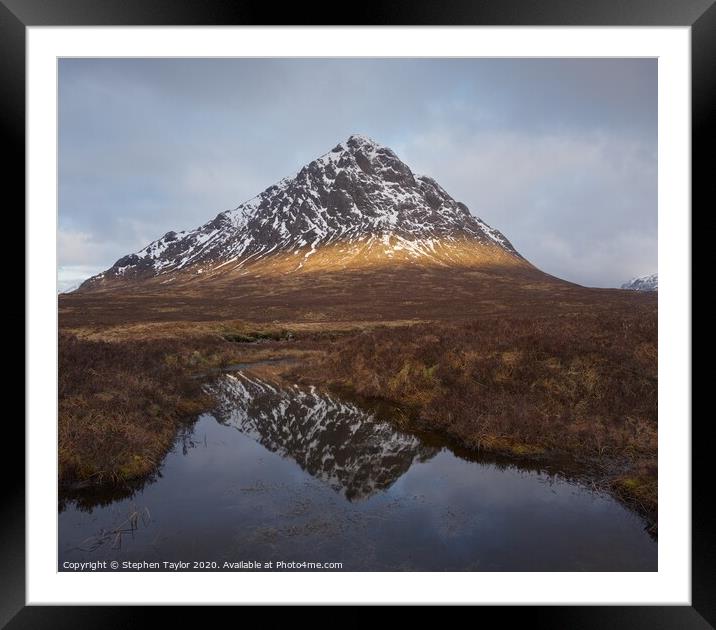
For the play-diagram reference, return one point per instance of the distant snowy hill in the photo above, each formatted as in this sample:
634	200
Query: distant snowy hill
644	283
359	201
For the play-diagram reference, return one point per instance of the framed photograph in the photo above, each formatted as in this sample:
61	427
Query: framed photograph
391	312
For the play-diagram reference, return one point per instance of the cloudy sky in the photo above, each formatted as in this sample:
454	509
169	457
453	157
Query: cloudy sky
560	155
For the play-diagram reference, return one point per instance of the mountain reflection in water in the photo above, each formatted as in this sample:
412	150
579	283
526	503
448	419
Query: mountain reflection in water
334	441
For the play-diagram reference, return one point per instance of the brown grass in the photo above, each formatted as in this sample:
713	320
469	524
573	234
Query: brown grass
120	404
331	298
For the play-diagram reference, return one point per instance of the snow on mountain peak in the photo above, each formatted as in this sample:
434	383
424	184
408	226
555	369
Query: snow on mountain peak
359	193
643	283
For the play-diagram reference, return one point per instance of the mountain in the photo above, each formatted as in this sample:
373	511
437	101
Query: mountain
358	205
644	283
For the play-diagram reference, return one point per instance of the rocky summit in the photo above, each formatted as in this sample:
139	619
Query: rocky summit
357	205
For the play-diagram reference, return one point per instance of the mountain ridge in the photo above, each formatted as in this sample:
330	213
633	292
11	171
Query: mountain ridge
359	201
649	282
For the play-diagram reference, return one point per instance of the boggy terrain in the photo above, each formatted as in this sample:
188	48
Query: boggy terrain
375	281
378	292
509	361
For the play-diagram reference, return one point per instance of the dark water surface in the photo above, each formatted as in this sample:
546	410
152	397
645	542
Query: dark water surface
291	474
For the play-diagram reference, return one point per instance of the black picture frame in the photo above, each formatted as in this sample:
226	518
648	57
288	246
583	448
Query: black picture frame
700	15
